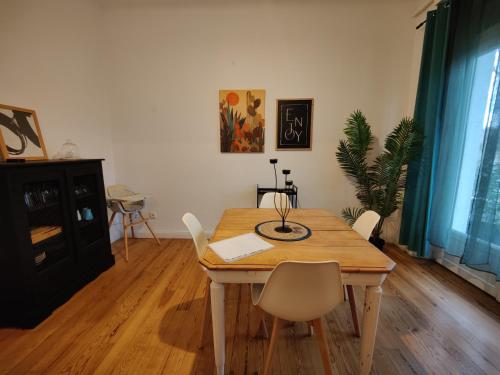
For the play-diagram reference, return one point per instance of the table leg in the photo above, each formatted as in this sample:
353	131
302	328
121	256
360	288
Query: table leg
218	324
373	295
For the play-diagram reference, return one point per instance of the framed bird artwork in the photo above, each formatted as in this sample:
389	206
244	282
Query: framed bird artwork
20	135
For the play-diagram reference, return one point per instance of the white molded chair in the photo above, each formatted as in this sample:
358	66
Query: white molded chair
122	200
365	223
267	200
196	230
364	226
300	292
200	242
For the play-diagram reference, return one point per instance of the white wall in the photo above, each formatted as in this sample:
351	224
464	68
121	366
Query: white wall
168	59
51	61
137	82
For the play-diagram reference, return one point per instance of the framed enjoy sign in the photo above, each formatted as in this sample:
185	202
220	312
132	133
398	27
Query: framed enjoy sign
294	127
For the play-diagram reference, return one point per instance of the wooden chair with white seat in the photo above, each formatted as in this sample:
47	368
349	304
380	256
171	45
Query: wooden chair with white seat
122	200
268	200
364	226
300	292
200	243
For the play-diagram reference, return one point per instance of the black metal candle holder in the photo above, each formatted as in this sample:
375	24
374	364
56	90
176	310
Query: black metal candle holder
284	207
286	230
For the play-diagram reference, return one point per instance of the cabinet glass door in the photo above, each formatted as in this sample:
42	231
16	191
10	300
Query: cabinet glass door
43	204
87	209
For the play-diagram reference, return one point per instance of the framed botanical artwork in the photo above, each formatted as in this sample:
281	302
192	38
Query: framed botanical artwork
294	124
20	135
242	123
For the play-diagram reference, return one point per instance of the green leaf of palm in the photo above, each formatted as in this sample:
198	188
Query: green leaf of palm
378	186
351	214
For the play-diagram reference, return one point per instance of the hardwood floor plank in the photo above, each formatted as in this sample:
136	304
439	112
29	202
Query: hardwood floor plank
144	317
70	321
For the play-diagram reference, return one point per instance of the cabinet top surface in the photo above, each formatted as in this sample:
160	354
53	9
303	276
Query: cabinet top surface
37	163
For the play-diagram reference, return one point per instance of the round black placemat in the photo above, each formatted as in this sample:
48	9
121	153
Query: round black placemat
267	229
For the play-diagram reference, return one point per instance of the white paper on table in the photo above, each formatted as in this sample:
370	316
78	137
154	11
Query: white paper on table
239	247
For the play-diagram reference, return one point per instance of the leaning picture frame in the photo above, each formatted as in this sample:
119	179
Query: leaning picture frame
20	134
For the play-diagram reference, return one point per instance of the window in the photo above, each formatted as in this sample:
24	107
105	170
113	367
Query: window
482	103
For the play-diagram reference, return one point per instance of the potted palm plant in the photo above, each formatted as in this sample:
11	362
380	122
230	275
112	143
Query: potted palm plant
379	185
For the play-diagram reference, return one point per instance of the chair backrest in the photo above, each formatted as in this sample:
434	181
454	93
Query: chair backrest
196	230
119	191
365	223
302	291
267	200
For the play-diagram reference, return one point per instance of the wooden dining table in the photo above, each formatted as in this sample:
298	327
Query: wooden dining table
361	264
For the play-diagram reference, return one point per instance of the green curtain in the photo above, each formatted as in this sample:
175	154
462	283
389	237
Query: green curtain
420	179
453	132
471	153
453	190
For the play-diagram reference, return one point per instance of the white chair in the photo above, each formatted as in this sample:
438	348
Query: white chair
200	242
300	292
365	223
364	226
122	200
196	230
267	200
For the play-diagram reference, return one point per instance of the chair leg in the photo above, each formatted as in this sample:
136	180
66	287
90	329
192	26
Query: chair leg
131	226
125	235
205	313
112	219
310	328
323	345
147	224
352	304
258	321
263	323
277	324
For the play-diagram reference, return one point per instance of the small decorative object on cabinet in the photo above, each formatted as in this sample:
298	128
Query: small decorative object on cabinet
47	251
69	150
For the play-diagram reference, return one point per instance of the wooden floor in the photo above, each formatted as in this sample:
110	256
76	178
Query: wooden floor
143	318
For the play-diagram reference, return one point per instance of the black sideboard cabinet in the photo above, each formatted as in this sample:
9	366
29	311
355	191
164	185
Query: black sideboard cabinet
54	236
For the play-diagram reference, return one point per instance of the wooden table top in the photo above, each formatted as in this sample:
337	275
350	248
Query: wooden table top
331	239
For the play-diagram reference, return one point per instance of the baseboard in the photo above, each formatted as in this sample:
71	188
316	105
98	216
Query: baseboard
482	280
143	232
407	251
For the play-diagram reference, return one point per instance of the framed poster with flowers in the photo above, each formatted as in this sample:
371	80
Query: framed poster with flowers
20	135
242	123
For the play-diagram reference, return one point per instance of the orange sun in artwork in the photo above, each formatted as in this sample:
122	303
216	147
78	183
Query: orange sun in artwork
232	98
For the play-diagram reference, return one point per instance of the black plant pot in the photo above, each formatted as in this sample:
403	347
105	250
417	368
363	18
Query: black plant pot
377	242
